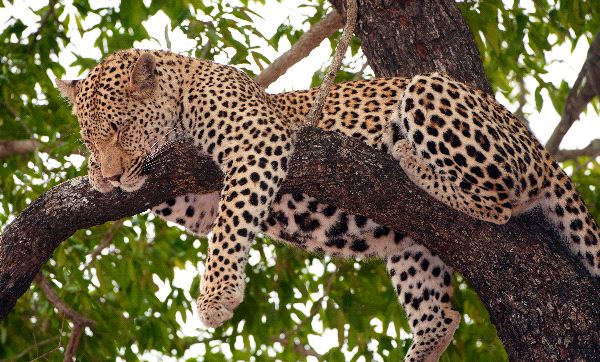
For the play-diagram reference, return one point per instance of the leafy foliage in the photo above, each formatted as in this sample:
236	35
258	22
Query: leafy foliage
515	41
140	289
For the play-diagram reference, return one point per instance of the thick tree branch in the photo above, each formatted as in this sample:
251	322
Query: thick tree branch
585	88
526	279
300	50
17	147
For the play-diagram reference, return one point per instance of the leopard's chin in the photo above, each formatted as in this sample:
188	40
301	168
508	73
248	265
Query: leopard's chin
102	185
133	185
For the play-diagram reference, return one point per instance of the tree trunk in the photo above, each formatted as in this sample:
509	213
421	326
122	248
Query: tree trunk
543	302
407	37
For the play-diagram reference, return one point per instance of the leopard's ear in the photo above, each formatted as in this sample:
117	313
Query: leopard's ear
142	80
68	88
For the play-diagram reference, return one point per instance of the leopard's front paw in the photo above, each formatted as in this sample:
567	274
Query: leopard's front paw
217	303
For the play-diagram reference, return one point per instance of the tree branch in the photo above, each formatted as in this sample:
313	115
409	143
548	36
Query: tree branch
585	88
347	173
315	111
284	338
79	321
36	345
418	37
521	100
591	150
35	36
17	147
300	50
106	240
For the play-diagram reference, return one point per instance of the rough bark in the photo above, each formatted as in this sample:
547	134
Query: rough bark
407	37
542	300
431	35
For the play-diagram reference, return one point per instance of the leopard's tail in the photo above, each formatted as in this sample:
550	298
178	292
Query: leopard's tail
568	212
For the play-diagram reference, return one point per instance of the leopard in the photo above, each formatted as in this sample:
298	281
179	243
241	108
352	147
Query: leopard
455	142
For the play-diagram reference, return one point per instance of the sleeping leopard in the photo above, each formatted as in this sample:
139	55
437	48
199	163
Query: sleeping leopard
455	142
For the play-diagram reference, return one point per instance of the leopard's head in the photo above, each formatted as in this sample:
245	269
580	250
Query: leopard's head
126	115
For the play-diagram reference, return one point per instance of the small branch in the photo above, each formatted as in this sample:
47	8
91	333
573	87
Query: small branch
34	37
17	147
314	114
10	109
15	115
300	50
79	321
62	308
585	88
591	150
73	342
299	348
106	240
522	100
30	348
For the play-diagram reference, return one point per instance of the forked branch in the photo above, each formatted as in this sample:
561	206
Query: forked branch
79	321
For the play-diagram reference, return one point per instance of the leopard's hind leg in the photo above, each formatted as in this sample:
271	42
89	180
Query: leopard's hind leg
423	284
468	198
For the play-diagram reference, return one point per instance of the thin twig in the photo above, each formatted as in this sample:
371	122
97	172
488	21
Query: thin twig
43	22
522	100
16	116
361	71
313	116
10	109
28	349
106	240
300	50
299	348
284	338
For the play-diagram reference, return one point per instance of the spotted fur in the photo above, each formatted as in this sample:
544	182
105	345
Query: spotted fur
457	143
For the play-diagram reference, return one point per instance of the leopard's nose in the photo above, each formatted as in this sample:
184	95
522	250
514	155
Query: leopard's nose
115	178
